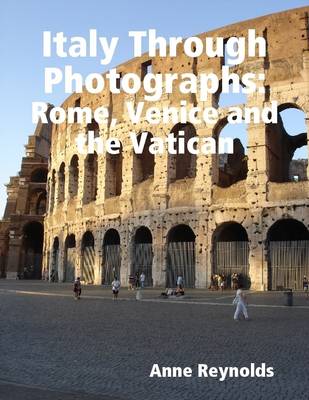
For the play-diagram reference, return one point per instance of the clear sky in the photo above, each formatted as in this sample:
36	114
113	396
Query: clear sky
22	64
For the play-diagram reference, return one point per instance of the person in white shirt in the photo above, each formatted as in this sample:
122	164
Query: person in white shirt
115	288
142	279
241	303
179	282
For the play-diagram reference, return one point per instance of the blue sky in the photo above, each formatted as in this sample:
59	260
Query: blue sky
22	64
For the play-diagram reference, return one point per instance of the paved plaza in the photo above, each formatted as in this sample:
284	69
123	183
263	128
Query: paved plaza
53	347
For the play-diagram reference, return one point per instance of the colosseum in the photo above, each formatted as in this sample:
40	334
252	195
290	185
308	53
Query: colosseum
246	213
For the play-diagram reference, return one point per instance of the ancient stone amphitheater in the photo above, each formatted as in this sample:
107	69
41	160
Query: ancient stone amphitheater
191	215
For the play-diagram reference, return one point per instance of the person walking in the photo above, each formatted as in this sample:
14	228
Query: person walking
241	305
306	285
142	280
179	282
77	288
136	280
115	288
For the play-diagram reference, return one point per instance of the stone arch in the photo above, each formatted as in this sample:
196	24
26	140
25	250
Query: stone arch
113	176
73	176
142	254
91	178
32	249
233	167
230	250
52	190
288	254
70	255
61	183
111	262
182	166
180	255
93	126
39	175
88	257
37	202
144	163
54	267
284	141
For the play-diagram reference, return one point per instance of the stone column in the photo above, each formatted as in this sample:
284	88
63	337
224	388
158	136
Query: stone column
14	256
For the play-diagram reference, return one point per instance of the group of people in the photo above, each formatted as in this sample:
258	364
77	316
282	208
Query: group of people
178	291
137	281
221	282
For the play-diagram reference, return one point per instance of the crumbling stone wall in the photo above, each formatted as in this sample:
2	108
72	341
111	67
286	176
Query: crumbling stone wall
125	200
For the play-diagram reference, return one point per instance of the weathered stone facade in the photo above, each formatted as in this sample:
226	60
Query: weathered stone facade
21	229
103	209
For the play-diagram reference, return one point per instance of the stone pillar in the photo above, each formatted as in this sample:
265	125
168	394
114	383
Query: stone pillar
14	256
201	267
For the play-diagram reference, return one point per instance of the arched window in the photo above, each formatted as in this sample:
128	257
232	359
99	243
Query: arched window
232	167
144	163
287	150
61	182
91	178
73	176
39	175
113	183
182	165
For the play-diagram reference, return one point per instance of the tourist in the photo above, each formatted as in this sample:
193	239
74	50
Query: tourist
305	285
241	303
235	281
131	282
179	282
142	280
136	280
77	288
115	288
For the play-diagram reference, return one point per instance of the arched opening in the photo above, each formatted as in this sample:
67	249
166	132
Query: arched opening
232	167
73	176
54	267
61	183
180	256
52	188
142	254
91	178
288	254
70	258
231	254
88	257
144	163
32	247
111	257
287	149
113	183
41	203
94	126
39	175
182	165
4	246
37	202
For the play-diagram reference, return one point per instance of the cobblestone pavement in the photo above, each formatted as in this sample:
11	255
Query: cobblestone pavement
52	347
